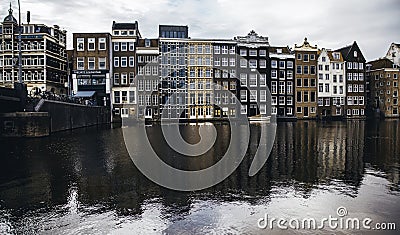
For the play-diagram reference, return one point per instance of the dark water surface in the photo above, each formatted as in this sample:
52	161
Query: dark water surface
84	182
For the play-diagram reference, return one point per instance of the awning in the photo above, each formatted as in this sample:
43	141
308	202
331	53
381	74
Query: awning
84	94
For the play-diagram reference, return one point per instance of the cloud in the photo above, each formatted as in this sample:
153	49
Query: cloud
329	23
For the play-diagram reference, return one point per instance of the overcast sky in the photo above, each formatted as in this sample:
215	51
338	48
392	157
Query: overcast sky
329	23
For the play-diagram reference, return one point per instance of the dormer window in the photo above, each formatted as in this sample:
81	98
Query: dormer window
147	43
116	32
336	56
355	53
279	51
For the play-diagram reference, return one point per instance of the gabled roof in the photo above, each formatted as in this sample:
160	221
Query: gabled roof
125	25
346	51
305	47
381	63
285	50
142	42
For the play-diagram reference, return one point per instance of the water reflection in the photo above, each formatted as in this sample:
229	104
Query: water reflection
84	181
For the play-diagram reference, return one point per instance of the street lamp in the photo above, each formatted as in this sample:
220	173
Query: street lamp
19	45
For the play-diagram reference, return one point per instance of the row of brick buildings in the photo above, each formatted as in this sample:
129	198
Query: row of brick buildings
175	76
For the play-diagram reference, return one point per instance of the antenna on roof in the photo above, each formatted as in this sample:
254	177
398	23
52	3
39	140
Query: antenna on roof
28	17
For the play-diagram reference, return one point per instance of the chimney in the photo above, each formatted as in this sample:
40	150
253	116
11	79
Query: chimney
28	17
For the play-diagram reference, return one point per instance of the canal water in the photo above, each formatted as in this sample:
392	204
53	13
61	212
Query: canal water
84	182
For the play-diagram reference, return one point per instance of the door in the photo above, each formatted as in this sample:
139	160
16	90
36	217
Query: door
305	111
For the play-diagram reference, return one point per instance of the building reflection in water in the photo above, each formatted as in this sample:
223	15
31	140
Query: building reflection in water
90	168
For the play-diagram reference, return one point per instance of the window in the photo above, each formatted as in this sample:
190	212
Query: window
253	53
224	49
243	109
253	95
290	64
281	88
299	56
116	46
305	97
124	78
263	79
124	62
116	61
253	64
313	69
131	46
243	63
305	71
289	74
243	95
298	82
263	52
91	44
225	62
263	63
124	46
80	63
131	61
116	78
102	63
289	100
117	97
312	57
361	100
199	49
217	49
91	63
253	80
305	58
243	52
131	78
281	100
243	79
274	64
349	76
349	88
274	100
274	74
282	64
132	97
102	44
80	44
282	74
207	49
349	65
232	50
298	71
289	88
274	88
